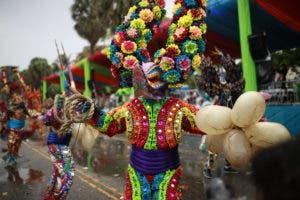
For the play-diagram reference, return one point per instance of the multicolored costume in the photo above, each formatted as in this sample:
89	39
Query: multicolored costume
154	128
62	159
152	121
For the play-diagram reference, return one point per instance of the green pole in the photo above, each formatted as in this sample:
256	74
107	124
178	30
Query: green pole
62	81
249	70
44	90
87	77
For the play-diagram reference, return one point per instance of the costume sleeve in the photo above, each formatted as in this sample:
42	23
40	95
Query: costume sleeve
111	123
189	118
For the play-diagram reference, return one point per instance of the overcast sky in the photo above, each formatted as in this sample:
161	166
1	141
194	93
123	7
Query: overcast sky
28	29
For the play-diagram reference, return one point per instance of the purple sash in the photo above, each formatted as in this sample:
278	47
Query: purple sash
151	162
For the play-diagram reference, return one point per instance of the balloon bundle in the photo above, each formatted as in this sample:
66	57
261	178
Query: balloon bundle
238	132
219	73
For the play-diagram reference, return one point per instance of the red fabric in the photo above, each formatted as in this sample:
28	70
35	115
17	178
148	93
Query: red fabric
100	59
286	11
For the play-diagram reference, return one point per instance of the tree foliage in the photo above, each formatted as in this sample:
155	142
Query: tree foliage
94	19
37	70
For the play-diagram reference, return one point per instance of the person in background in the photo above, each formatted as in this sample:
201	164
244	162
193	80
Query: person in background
276	172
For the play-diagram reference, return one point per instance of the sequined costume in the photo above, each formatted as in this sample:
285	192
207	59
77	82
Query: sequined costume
154	128
62	160
16	134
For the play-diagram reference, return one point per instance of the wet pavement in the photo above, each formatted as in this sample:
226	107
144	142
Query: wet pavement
100	172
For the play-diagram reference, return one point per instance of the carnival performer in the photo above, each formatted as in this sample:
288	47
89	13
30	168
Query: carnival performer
60	154
220	77
152	121
14	117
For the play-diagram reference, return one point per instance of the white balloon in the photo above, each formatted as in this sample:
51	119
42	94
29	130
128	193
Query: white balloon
214	120
266	134
214	143
237	148
248	109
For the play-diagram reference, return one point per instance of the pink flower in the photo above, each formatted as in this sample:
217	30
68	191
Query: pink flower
132	32
128	47
195	33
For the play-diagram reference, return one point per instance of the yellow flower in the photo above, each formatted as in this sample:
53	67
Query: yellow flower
144	3
196	62
146	15
203	28
185	21
138	24
172	28
142	44
132	9
157	12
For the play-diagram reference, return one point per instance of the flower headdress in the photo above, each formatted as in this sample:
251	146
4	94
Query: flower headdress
184	49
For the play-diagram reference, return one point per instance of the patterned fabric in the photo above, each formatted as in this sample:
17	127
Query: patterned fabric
149	124
162	186
63	172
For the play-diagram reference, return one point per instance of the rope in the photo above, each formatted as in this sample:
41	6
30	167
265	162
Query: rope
70	115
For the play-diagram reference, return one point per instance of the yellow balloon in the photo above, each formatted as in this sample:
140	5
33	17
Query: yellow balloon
266	134
248	109
236	148
214	143
214	120
255	150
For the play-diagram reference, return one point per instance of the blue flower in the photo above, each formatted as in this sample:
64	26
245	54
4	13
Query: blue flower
178	11
172	76
201	45
115	59
148	36
190	3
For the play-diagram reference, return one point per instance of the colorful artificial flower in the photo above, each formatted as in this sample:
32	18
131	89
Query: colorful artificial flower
161	3
203	28
160	53
171	40
166	63
172	28
144	3
157	12
128	47
196	62
132	33
173	50
190	3
146	15
138	24
130	62
143	44
115	60
172	76
183	63
196	13
119	38
132	9
185	21
181	33
147	35
190	47
201	45
195	33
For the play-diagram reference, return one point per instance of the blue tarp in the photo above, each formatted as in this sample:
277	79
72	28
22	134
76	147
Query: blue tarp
289	116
